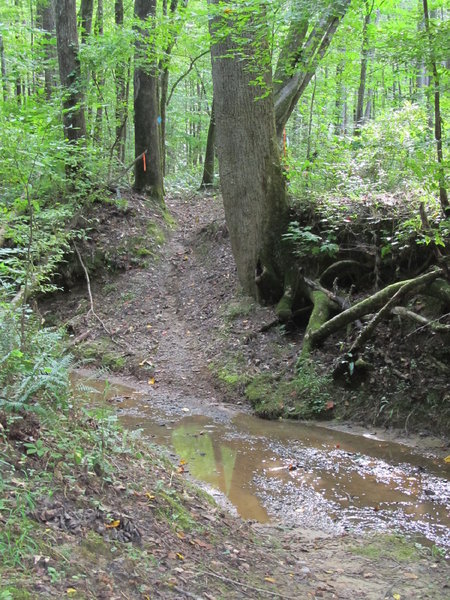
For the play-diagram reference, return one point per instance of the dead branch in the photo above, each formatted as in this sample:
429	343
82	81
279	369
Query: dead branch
433	324
125	171
368	305
410	285
244	585
91	311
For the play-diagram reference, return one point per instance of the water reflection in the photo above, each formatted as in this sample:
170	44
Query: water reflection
303	474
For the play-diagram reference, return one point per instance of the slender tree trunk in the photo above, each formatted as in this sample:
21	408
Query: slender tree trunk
208	165
363	72
164	79
310	121
251	177
69	70
443	196
3	69
46	14
121	103
148	172
339	102
99	78
86	13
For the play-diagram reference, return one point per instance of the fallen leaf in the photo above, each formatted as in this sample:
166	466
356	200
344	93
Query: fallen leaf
71	591
151	381
447	459
183	462
180	535
150	496
113	524
396	596
270	579
202	544
180	556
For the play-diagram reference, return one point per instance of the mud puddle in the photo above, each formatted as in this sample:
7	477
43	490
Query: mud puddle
299	474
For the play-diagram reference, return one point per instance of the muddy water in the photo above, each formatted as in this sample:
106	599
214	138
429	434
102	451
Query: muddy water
301	474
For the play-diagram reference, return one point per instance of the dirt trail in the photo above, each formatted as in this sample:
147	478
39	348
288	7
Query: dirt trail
168	321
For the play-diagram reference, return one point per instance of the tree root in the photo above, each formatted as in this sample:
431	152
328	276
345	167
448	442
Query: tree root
338	267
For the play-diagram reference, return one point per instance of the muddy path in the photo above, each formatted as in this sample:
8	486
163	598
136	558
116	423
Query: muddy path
170	325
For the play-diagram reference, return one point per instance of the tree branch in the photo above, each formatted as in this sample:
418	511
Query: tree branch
181	77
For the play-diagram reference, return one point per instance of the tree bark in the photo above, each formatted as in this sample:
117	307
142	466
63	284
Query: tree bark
69	70
251	178
148	171
208	165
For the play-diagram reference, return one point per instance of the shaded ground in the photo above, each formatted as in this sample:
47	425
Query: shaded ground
177	323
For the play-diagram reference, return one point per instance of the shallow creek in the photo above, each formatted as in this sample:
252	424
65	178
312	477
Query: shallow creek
297	474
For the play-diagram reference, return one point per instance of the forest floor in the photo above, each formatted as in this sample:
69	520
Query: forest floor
173	319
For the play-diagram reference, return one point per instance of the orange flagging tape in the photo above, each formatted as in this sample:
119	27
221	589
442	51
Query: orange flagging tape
144	161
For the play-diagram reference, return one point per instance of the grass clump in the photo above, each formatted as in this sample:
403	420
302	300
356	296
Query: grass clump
393	547
307	396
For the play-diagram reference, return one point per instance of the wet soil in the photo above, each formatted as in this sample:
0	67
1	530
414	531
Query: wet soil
171	325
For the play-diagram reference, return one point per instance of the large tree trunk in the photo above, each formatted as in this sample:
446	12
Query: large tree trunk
148	172
250	173
69	70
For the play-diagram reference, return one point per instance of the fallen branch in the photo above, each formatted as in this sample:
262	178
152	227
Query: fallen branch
91	299
374	302
433	324
125	171
245	585
412	284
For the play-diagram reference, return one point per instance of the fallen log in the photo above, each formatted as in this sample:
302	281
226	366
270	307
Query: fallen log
313	336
